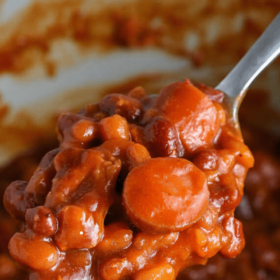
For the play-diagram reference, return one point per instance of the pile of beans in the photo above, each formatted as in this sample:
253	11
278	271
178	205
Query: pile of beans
140	188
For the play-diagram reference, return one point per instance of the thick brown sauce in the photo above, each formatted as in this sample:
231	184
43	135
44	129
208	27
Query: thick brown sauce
208	175
257	213
253	217
16	48
21	167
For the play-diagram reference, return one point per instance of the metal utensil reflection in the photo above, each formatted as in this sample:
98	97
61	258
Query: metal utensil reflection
260	55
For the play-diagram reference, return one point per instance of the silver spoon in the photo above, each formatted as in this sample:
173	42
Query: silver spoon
260	55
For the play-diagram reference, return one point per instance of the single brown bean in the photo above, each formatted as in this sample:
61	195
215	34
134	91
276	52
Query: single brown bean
33	251
159	271
114	127
41	220
128	107
77	229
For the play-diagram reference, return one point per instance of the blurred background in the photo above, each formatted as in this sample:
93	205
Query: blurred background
58	55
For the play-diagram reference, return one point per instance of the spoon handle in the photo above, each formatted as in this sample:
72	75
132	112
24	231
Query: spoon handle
262	53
